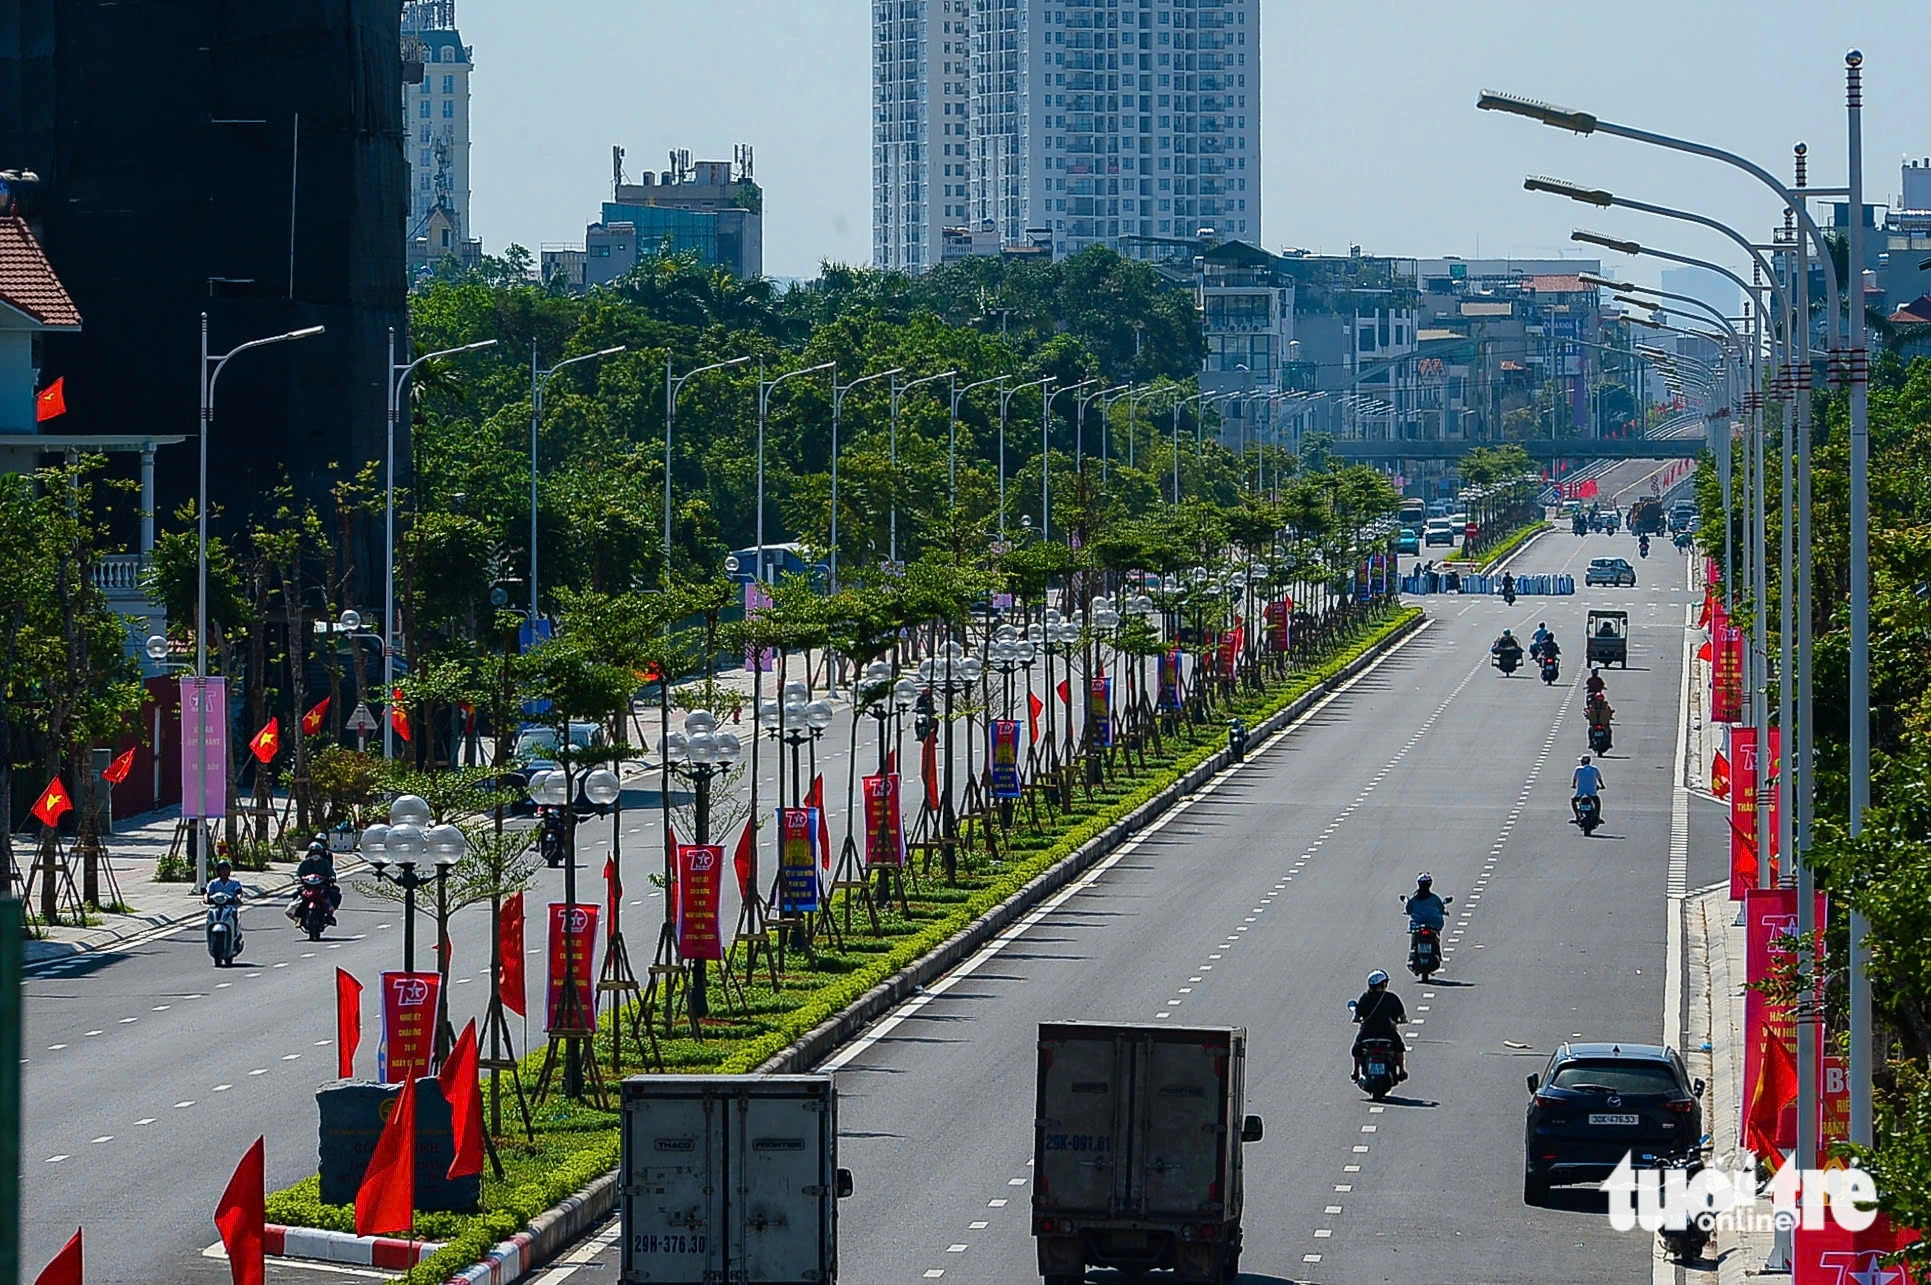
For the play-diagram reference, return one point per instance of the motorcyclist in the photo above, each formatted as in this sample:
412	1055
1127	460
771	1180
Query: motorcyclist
1505	644
1425	908
224	881
1547	646
1542	635
1587	784
1600	712
317	861
1379	1014
1594	686
1508	586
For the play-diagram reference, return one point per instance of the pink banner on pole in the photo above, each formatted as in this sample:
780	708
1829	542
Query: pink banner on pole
204	747
757	600
1770	914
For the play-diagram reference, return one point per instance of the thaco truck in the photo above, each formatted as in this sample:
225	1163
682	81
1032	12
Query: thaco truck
730	1178
1137	1135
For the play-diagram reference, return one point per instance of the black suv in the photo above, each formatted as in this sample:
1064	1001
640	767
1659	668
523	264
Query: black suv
1595	1103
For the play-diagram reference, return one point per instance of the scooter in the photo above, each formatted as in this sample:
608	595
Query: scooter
224	928
1377	1074
1588	814
1508	597
1424	946
313	912
1551	668
1599	738
1686	1243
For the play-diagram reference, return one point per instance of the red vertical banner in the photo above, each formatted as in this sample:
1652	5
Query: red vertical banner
1769	914
573	945
1279	617
1833	1110
1832	1255
510	971
348	1022
1004	758
1726	670
797	861
884	835
408	1026
1743	807
700	883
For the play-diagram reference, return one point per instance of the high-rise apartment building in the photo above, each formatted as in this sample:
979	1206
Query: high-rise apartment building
1071	122
435	116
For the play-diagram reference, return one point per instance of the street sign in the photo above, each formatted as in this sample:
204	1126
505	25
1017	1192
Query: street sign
362	720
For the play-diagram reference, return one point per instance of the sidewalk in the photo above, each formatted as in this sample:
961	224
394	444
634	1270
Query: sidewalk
133	851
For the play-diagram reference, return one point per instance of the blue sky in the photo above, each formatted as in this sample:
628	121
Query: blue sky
1369	132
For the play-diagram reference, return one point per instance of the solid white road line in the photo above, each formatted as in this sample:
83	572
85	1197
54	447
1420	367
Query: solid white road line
1662	1271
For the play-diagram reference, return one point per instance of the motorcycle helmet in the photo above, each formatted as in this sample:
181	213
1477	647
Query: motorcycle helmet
1423	879
1377	978
1584	760
1506	633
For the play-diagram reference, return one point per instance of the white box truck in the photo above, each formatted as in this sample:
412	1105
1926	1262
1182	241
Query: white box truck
730	1178
1137	1135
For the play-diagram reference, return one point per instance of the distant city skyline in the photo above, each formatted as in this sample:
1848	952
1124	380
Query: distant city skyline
1374	142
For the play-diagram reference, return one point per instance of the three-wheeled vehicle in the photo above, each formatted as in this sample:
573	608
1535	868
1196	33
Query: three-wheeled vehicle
1608	638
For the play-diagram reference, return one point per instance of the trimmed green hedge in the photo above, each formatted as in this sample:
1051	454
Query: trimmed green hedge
576	1143
1516	539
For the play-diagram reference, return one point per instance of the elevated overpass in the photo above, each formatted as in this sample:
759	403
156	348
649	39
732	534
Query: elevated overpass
1559	448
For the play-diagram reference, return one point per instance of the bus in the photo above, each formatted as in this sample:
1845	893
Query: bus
1414	513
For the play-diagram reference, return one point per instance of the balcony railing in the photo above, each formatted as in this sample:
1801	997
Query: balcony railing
120	574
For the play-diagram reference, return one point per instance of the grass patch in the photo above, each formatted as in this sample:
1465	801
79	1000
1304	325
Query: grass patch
576	1143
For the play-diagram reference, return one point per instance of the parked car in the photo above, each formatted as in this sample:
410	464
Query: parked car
1440	531
1609	571
1595	1103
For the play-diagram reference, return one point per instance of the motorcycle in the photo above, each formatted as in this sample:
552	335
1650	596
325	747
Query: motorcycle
224	928
1686	1243
1642	547
1588	814
1508	660
550	838
1425	946
1377	1074
1551	668
1599	738
1508	597
313	910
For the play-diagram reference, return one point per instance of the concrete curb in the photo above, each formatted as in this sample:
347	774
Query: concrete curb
818	1043
548	1234
385	1252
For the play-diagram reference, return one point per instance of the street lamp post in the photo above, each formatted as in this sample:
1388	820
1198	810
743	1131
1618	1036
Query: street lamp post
1046	452
1005	401
398	376
765	386
540	380
672	386
952	673
958	395
898	401
208	371
1079	428
701	753
401	844
838	392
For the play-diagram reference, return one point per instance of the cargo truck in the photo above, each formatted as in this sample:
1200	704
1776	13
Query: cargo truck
1646	516
730	1178
1137	1135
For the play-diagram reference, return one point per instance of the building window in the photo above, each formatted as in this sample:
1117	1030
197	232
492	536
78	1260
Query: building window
449	84
424	112
449	109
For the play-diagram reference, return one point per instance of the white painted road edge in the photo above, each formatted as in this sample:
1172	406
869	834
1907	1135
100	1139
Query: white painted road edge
1663	1271
891	1021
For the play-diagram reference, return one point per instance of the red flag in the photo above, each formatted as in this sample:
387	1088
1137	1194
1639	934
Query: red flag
239	1218
929	769
670	894
816	799
1703	652
742	861
348	1022
1776	1089
509	930
1703	617
312	721
51	400
1720	776
398	716
117	770
53	803
1065	693
613	889
1588	490
1034	708
64	1267
267	741
891	762
386	1200
464	1091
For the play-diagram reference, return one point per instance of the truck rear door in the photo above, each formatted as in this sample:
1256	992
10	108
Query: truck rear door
1081	1116
1182	1097
672	1213
781	1173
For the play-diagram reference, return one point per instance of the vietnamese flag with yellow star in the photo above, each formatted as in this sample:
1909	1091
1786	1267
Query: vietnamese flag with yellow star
312	721
267	741
53	803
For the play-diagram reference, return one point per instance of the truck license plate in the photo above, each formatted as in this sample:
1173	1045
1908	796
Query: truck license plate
1613	1119
1128	1240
